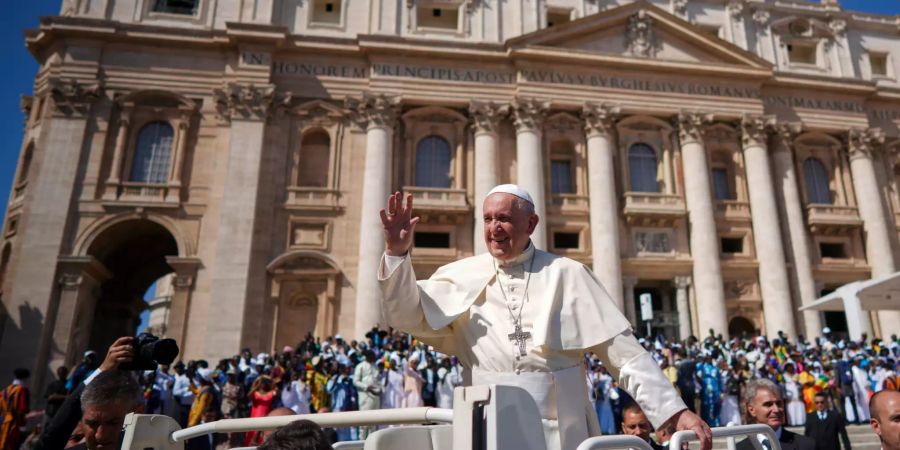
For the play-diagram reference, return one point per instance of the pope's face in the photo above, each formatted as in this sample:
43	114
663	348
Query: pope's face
507	228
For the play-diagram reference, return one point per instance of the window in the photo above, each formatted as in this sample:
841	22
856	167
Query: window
424	239
315	158
832	250
642	165
732	245
816	178
446	18
561	176
720	184
151	154
26	164
879	64
802	53
327	12
183	7
433	162
709	30
557	17
565	240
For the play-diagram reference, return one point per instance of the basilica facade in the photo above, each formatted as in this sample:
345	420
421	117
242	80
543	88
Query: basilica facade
725	162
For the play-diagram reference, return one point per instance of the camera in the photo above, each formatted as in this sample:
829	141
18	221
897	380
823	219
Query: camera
151	351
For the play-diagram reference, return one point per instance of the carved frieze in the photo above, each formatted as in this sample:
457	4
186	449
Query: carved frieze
486	116
373	110
73	98
600	119
640	37
529	114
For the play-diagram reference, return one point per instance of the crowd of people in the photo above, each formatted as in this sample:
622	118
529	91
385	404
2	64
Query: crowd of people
390	369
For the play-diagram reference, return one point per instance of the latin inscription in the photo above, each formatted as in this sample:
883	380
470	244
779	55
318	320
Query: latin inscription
302	69
637	84
443	73
790	101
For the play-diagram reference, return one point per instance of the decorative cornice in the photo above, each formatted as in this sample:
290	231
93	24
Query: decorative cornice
691	125
862	143
754	129
529	114
72	98
600	119
373	110
486	116
245	101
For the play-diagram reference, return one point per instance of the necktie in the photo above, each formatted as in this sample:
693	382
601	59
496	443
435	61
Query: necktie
766	445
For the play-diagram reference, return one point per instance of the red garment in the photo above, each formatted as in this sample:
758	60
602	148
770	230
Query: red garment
13	408
261	405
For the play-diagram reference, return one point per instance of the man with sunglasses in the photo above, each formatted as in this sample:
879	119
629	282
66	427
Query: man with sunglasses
825	424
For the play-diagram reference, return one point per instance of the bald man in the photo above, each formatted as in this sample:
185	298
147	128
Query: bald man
885	409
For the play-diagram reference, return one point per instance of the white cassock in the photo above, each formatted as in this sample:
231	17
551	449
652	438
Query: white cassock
462	311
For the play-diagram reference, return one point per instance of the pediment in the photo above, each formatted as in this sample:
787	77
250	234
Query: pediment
641	31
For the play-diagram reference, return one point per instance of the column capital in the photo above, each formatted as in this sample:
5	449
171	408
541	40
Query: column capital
629	282
785	133
600	119
735	8
245	101
862	143
74	98
690	125
682	281
486	116
373	110
529	114
754	129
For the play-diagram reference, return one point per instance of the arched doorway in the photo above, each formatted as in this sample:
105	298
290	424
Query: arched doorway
741	327
135	253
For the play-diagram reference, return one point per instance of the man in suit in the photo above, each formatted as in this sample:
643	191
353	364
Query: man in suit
635	423
885	409
764	404
824	426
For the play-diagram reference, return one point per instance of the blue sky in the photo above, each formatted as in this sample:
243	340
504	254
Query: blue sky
22	67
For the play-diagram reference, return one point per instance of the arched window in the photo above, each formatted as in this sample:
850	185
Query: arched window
816	181
433	162
642	167
152	153
315	158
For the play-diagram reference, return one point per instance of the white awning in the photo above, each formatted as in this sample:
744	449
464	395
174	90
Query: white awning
874	294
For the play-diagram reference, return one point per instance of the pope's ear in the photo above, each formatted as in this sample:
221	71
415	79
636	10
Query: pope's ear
533	222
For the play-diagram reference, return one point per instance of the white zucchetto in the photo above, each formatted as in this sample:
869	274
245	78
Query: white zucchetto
513	190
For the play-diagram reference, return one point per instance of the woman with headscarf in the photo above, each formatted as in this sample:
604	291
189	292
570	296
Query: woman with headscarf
393	393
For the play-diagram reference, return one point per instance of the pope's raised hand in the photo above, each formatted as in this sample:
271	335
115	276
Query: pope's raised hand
399	224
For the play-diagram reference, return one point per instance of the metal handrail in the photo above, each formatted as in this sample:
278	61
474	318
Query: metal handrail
335	419
683	436
614	442
348	445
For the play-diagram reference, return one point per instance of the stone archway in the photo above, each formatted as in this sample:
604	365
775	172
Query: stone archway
102	291
740	326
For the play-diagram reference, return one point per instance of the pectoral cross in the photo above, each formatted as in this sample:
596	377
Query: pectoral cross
519	336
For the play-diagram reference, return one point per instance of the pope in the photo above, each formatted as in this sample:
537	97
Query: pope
520	316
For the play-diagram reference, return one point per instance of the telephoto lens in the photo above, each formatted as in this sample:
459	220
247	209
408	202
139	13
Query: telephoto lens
151	351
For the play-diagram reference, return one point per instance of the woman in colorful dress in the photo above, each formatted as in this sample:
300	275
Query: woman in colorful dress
711	380
261	396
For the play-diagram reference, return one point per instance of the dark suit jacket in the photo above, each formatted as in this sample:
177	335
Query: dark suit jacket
788	441
63	424
825	432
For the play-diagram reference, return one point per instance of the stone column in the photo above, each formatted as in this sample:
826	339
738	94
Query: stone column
529	118
629	283
773	276
704	238
796	231
183	127
115	169
486	117
604	209
79	281
246	109
377	115
180	304
30	296
684	310
861	144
